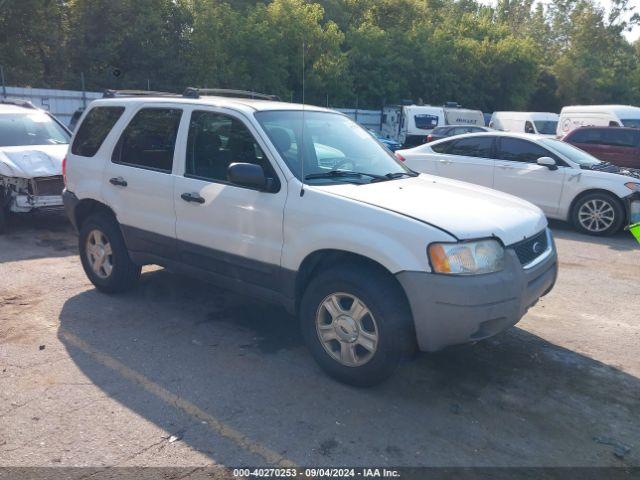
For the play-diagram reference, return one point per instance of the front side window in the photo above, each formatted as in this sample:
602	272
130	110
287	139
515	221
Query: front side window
546	127
149	140
94	129
528	128
518	150
328	147
216	141
32	128
479	147
631	122
617	137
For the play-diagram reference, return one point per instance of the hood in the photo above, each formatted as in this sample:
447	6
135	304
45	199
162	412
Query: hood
32	161
466	211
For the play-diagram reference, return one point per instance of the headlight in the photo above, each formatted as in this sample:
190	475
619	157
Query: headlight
467	258
633	186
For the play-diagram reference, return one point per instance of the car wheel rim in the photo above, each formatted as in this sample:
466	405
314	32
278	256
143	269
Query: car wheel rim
596	215
347	330
99	253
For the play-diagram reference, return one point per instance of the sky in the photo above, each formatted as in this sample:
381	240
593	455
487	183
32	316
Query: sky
631	36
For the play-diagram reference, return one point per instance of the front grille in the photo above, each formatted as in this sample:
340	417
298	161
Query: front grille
49	185
531	248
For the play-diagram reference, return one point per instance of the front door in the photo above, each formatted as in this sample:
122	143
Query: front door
228	230
517	173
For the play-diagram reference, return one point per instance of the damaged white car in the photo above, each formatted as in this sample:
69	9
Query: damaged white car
32	146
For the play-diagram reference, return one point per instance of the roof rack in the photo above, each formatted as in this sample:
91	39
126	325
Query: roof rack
18	102
192	92
135	93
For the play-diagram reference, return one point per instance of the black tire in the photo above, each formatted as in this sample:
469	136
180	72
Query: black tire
387	304
597	198
124	273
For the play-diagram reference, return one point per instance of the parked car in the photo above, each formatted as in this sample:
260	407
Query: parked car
620	146
387	142
374	258
409	125
573	117
451	130
564	181
32	145
541	123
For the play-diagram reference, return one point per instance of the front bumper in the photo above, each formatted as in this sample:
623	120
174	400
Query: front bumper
449	309
633	208
26	203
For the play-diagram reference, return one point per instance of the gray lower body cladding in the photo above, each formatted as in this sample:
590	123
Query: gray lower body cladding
449	309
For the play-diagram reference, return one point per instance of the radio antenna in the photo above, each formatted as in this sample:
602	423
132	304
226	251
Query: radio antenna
302	145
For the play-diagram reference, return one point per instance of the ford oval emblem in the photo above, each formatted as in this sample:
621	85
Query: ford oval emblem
537	248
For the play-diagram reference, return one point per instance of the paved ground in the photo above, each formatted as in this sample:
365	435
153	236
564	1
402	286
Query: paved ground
179	373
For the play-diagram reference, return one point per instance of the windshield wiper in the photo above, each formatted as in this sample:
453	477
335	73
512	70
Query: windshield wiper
394	176
342	173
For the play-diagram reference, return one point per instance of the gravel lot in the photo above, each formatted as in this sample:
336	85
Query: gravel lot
180	373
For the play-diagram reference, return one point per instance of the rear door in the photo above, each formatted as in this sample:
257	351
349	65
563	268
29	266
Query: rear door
138	181
468	159
517	173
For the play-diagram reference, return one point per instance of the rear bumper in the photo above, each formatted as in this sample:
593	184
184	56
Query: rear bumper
449	310
70	202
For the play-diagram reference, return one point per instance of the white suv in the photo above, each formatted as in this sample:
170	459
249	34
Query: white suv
32	146
301	206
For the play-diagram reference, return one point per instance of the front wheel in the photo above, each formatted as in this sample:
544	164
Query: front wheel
598	213
356	323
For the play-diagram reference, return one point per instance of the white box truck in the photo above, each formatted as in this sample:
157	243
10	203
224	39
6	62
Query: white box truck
541	123
597	116
410	124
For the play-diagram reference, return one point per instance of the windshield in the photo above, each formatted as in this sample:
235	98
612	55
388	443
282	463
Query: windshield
30	129
330	143
546	127
631	122
574	154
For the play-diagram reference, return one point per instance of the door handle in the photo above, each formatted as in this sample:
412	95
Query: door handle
118	181
444	161
192	197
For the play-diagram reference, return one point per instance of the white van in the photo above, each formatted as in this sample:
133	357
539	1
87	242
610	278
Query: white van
598	116
541	123
303	207
410	124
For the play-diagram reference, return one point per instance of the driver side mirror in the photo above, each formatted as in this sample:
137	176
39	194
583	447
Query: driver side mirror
548	162
249	175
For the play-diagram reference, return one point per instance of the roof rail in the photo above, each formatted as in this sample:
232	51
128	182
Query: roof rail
18	102
192	92
135	93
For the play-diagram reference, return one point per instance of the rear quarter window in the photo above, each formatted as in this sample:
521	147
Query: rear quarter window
94	129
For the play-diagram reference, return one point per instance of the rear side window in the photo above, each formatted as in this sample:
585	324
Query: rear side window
518	150
149	140
584	136
94	129
468	147
425	121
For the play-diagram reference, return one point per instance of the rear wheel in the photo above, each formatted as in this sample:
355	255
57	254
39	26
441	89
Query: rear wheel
104	256
356	324
598	213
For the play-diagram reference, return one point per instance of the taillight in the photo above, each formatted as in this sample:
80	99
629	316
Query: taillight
429	138
64	171
400	157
